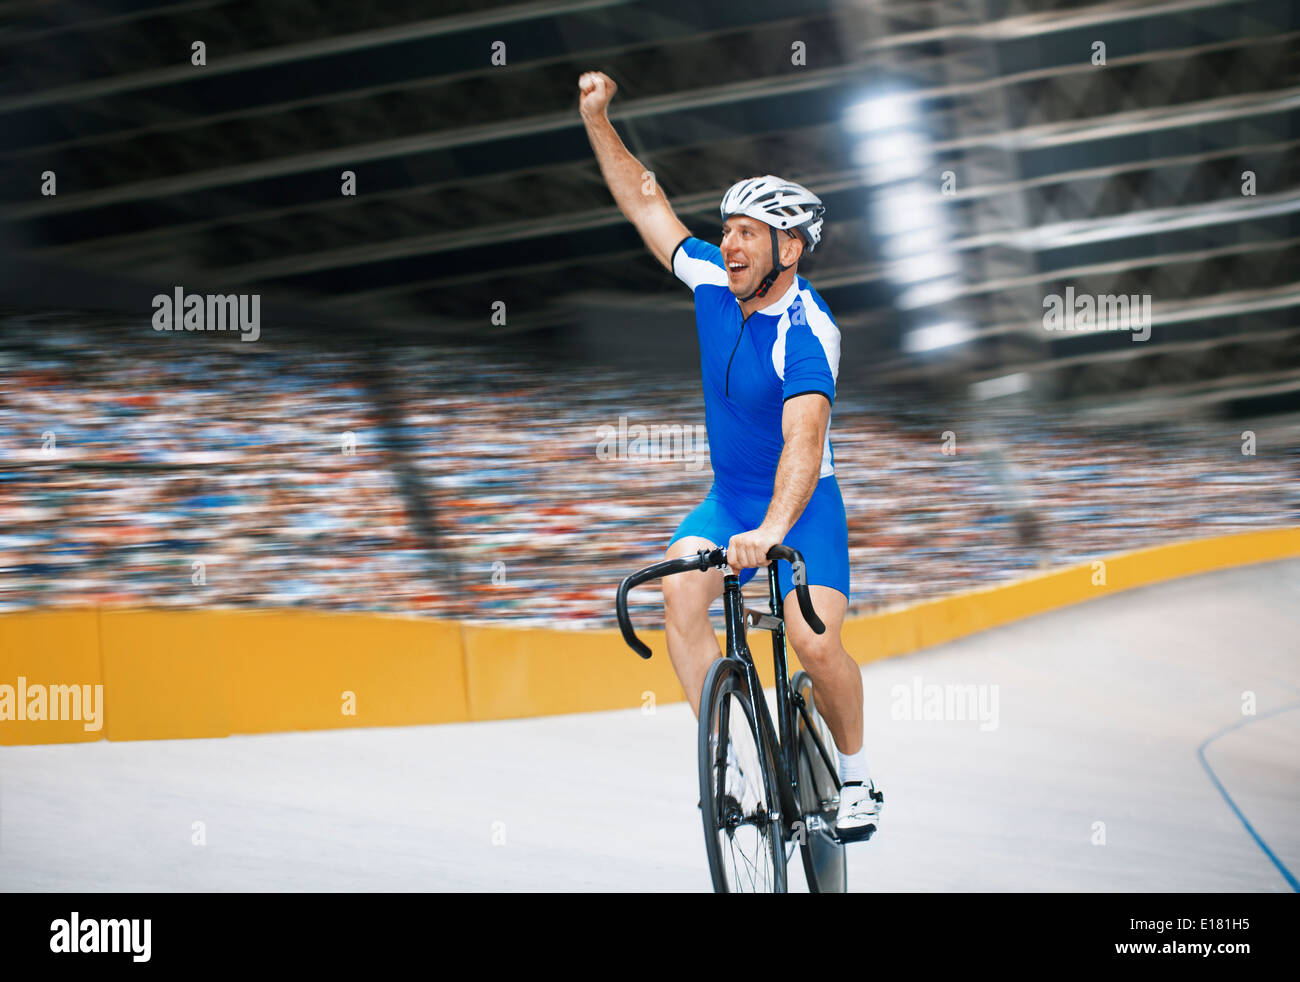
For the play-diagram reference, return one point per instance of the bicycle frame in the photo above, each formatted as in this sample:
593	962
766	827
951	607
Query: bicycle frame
782	746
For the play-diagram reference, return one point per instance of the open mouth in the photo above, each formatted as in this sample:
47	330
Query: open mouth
734	270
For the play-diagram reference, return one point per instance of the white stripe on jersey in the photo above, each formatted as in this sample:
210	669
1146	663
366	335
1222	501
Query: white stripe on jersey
825	331
696	272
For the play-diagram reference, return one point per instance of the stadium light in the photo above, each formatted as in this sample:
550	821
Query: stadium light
924	266
905	208
891	157
1005	385
935	336
908	213
884	111
929	293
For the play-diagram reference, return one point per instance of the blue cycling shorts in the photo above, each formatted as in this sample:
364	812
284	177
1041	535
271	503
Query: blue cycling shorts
821	534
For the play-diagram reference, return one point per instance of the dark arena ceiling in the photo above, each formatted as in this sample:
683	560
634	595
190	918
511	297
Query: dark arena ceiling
475	183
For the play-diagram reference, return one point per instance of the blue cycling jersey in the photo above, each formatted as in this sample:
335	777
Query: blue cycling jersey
752	365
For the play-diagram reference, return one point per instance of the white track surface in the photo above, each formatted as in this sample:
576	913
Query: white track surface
1101	710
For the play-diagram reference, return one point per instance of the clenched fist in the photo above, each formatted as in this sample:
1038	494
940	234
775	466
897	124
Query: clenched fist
595	89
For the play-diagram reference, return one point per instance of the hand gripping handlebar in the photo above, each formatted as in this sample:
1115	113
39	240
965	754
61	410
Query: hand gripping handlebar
707	559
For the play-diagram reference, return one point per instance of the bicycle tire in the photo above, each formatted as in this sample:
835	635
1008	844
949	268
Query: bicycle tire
823	857
731	825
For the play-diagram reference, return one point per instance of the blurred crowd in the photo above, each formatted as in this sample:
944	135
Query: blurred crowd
184	471
156	471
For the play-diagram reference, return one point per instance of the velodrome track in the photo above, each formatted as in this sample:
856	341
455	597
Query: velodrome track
1105	711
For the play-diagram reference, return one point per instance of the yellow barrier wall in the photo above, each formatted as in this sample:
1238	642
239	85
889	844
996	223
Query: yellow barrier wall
50	647
212	673
170	674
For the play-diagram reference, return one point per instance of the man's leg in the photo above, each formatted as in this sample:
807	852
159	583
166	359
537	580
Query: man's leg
837	683
692	645
837	678
821	535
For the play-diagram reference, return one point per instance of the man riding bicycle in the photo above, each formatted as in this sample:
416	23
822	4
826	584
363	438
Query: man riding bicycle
769	355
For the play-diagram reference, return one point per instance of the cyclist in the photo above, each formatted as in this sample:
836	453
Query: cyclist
769	355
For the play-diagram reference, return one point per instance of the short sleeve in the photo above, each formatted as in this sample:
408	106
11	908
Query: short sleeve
809	351
698	263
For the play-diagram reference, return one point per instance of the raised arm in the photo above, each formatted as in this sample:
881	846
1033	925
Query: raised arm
635	191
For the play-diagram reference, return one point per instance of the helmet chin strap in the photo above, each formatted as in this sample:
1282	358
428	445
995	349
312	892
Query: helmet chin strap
770	278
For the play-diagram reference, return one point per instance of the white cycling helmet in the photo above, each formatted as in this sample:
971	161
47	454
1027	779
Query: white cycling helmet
780	203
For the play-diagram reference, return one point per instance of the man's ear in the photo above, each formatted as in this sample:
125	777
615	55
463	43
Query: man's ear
791	250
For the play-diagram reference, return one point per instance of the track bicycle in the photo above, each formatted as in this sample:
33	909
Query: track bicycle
764	789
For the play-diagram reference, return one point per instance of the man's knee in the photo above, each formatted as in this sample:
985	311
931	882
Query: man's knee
817	650
687	596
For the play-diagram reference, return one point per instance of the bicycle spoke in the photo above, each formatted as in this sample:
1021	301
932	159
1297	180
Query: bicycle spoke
751	867
735	869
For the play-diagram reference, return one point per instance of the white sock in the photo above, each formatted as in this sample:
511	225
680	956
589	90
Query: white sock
853	767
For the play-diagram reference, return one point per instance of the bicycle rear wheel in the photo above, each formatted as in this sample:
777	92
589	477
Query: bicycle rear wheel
742	829
823	856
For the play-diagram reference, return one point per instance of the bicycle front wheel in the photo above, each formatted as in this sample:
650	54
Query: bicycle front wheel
742	828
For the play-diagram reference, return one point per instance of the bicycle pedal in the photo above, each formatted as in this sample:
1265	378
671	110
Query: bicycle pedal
853	835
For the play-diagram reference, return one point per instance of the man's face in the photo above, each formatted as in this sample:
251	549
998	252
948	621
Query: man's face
747	253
